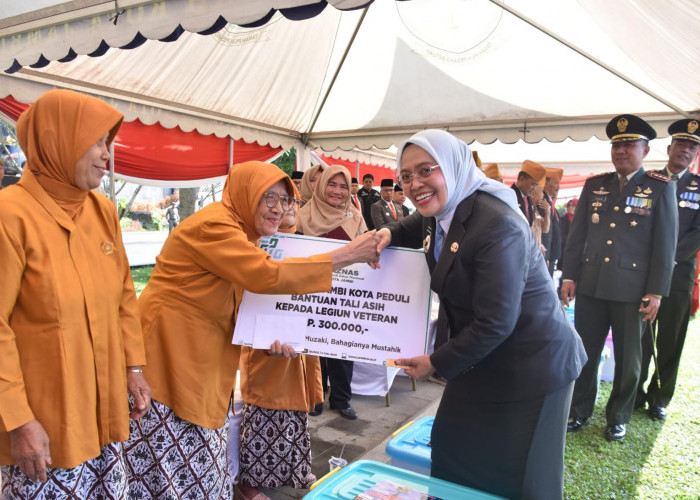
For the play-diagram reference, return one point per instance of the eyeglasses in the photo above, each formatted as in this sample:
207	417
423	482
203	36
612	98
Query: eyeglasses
420	173
272	199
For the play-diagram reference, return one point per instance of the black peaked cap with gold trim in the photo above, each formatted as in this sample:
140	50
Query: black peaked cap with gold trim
625	128
685	130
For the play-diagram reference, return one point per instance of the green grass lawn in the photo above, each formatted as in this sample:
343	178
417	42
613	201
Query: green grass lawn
655	461
140	276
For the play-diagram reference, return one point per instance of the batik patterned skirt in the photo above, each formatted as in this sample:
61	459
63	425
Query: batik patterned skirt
275	448
171	458
102	478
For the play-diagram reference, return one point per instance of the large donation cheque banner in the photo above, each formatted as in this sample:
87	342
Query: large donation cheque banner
369	315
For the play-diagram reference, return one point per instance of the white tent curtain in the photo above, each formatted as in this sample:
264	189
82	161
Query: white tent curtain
469	66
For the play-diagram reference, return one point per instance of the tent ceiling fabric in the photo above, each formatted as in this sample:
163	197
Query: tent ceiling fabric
465	65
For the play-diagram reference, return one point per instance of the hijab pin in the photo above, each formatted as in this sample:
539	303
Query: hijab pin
454	247
108	248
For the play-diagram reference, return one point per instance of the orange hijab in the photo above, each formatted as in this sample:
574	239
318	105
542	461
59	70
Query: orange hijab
55	132
245	185
318	217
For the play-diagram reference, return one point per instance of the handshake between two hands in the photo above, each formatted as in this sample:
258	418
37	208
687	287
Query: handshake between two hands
368	246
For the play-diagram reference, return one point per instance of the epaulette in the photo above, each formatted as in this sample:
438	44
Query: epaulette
658	176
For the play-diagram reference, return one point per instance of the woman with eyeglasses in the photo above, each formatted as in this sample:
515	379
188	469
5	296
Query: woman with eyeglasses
188	311
330	214
511	356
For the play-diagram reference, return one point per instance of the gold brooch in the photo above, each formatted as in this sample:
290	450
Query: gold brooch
454	247
108	248
426	244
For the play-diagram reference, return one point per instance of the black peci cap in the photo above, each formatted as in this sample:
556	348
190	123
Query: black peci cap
387	183
627	128
397	187
354	180
297	174
685	130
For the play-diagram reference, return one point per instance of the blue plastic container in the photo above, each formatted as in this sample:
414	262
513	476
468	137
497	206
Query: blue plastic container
409	447
359	477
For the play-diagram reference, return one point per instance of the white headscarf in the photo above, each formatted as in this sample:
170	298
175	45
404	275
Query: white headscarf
462	176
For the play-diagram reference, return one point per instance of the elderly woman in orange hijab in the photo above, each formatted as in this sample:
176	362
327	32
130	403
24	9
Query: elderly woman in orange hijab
188	312
330	214
70	337
277	394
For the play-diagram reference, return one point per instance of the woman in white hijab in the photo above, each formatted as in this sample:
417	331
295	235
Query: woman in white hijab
511	355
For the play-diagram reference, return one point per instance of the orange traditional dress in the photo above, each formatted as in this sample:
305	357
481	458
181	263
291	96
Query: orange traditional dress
69	324
188	314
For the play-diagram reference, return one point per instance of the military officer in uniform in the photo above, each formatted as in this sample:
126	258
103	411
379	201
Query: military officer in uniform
529	176
618	262
385	211
674	313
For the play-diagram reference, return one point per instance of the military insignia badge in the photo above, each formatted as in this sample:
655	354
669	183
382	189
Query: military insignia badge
108	248
454	247
595	218
648	191
633	223
622	124
601	192
692	127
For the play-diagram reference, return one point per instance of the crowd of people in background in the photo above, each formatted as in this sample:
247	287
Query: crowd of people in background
140	392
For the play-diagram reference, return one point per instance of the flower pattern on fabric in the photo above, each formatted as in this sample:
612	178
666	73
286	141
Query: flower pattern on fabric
168	457
103	478
275	448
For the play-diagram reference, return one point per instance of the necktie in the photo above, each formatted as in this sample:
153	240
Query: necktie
674	177
356	202
623	182
439	237
393	210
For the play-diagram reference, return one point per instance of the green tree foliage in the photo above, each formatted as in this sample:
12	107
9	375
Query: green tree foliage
287	161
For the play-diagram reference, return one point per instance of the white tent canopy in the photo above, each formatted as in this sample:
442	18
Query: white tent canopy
484	69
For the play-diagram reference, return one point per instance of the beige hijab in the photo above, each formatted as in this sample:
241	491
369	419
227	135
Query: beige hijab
318	217
305	186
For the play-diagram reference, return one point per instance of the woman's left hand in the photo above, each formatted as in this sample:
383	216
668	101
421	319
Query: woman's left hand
280	349
419	367
141	392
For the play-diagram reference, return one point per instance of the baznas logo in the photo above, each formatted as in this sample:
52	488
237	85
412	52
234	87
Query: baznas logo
347	272
269	244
